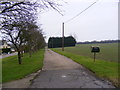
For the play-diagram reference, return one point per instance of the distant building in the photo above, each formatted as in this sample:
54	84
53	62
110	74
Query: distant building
4	47
3	44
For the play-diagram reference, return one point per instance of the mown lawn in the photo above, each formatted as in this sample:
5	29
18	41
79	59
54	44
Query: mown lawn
11	70
104	69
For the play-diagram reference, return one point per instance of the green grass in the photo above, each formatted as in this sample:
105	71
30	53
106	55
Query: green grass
11	70
102	68
108	51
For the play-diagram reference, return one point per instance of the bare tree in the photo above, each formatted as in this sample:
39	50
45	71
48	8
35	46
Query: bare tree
34	38
13	33
18	20
8	6
15	19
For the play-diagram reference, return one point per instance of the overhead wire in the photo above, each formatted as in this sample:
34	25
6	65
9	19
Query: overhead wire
81	12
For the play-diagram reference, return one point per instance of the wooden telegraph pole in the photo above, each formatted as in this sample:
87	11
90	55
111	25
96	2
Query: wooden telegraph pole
63	36
52	42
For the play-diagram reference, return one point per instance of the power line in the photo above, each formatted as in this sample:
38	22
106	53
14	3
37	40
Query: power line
81	12
72	19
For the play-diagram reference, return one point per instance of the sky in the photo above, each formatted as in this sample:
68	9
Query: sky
99	22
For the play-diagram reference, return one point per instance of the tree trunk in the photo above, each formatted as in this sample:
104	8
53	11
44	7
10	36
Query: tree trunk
19	58
21	53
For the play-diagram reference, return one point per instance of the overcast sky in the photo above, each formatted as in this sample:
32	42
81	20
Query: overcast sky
100	22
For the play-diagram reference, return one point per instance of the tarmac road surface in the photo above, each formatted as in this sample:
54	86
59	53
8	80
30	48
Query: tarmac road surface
61	72
7	55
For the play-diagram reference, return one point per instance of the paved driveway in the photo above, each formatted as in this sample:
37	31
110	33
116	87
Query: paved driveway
7	55
61	72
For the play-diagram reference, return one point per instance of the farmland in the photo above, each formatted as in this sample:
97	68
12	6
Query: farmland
108	51
105	66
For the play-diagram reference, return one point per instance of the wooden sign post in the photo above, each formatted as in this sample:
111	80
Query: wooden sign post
94	56
95	50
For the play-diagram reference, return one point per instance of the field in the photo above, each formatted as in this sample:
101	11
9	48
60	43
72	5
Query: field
105	66
108	51
11	70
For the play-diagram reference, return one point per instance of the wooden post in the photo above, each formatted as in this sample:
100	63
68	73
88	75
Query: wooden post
63	36
94	56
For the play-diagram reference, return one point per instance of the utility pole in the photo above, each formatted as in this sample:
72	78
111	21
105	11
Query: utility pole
63	36
52	42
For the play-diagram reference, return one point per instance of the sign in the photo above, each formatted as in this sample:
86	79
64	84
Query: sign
95	49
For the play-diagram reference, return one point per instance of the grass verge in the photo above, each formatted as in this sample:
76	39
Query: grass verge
102	68
108	51
11	70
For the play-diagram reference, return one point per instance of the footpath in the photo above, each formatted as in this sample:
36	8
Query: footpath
62	72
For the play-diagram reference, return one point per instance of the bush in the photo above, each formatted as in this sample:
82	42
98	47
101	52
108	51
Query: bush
6	50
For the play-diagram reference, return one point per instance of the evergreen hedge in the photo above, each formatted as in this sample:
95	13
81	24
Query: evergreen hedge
55	42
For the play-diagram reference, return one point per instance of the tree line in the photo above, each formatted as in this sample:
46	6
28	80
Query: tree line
55	42
19	26
102	41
